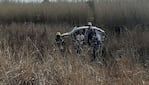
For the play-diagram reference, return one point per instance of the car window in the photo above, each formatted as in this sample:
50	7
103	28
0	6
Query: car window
76	32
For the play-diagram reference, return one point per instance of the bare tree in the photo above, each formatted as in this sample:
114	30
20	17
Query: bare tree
91	4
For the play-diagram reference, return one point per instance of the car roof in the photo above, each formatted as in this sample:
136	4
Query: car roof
87	27
80	28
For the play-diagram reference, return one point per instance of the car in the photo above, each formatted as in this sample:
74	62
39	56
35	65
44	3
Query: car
83	29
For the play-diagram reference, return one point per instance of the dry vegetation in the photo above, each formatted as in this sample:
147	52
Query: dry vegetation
29	57
122	11
106	12
43	13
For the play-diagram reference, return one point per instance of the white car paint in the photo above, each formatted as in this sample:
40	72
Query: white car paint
80	28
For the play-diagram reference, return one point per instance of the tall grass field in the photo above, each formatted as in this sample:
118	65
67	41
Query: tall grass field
29	56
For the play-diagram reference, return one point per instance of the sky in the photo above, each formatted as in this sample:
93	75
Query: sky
34	0
41	0
31	0
28	0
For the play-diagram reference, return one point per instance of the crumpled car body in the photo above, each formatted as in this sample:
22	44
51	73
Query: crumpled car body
83	29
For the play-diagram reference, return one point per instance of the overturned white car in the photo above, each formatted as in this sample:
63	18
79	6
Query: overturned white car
84	37
83	30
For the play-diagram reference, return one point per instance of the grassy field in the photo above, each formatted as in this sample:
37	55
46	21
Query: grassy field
29	57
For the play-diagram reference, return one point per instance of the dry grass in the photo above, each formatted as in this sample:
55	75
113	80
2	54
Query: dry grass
28	57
